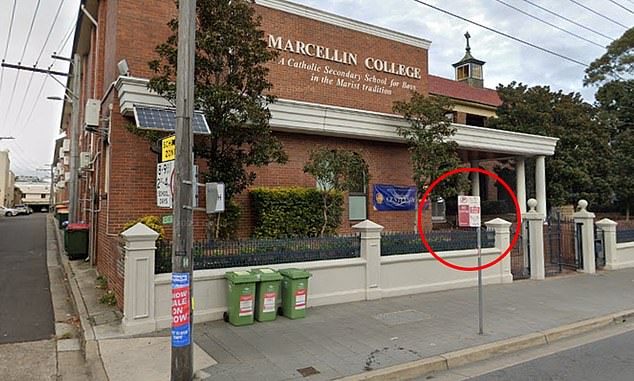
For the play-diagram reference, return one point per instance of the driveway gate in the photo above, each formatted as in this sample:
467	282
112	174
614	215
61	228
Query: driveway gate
562	246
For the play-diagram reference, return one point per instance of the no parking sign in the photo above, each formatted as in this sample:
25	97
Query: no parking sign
469	211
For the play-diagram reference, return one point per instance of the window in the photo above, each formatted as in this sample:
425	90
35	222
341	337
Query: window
462	72
439	210
476	71
358	201
43	195
476	120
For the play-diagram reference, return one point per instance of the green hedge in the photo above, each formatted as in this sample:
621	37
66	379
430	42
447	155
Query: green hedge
294	212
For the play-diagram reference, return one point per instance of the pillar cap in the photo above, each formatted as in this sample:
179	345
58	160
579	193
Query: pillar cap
606	222
583	211
498	223
140	232
368	225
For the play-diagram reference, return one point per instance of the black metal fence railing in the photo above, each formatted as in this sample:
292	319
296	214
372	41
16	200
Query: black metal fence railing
261	252
625	235
439	240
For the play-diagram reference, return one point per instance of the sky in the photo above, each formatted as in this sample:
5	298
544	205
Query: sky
27	114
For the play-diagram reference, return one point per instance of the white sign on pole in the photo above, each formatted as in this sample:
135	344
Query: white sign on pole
164	189
469	211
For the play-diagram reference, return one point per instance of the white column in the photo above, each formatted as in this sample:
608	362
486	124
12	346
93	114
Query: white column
609	243
371	252
540	184
502	241
475	180
586	219
138	291
520	174
535	222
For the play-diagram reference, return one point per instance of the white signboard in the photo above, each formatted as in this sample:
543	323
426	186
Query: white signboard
469	211
164	189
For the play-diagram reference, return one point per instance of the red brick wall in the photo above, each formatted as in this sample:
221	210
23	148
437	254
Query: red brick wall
295	83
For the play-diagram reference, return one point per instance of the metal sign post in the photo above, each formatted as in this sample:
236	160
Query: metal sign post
480	296
469	216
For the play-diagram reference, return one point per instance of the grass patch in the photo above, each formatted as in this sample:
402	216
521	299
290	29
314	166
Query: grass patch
108	299
101	282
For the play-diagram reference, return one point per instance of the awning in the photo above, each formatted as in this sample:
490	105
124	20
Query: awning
164	119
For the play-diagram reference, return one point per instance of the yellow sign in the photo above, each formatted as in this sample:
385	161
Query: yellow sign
168	149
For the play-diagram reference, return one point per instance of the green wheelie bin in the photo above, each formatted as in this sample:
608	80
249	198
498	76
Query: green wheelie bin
241	297
294	292
267	293
76	241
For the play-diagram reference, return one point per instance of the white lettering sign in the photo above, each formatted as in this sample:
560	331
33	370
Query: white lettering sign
340	56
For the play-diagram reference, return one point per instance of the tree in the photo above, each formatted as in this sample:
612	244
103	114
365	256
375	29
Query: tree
624	168
616	64
428	137
578	168
231	89
337	170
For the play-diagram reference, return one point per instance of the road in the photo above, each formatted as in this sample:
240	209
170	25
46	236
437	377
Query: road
608	359
603	354
26	310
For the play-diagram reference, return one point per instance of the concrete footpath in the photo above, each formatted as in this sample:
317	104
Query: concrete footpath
395	338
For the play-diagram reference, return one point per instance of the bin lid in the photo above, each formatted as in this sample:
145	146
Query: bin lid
77	227
265	275
295	273
241	277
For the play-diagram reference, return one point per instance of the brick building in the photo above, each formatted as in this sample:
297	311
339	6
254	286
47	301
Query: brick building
336	80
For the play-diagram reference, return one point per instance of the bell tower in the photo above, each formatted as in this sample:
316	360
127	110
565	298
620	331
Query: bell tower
469	69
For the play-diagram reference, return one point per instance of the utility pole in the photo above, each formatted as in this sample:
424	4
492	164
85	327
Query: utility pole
73	212
182	368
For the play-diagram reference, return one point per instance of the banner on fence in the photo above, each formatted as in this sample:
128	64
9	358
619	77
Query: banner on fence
391	197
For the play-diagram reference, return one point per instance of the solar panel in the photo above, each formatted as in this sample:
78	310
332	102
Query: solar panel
163	119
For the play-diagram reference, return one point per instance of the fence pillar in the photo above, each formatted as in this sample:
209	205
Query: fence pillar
502	230
371	252
138	292
586	219
535	221
609	242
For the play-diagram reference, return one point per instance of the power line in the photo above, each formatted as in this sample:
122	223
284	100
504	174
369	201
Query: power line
504	34
17	77
621	6
6	47
28	87
59	8
64	39
569	20
28	36
549	23
598	14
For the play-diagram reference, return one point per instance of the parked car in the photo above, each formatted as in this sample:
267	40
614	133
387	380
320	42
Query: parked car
23	209
9	212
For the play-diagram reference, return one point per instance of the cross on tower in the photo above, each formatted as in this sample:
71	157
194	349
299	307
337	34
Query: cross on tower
468	36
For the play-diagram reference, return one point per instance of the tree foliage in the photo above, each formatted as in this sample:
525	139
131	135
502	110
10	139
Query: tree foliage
583	155
336	170
616	64
231	89
428	137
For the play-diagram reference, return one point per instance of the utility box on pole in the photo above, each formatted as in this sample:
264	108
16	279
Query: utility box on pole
215	197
